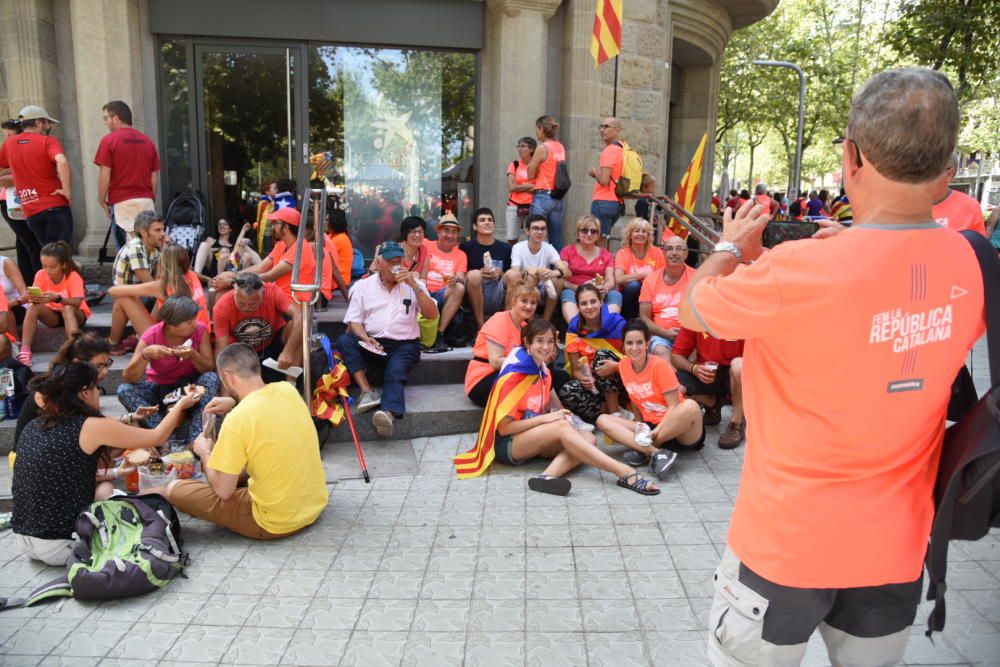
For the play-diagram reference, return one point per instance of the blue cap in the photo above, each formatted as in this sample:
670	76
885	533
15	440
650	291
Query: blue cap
391	250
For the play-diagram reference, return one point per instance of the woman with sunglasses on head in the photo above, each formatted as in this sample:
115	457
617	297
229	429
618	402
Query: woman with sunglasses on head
668	422
518	424
214	254
589	263
519	186
59	454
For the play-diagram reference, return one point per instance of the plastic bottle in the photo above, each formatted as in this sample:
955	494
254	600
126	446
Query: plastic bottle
643	434
585	369
10	403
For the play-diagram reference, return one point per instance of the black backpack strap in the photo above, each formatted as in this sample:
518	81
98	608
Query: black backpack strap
937	554
57	588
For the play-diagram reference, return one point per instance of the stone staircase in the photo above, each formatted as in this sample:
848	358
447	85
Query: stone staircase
435	397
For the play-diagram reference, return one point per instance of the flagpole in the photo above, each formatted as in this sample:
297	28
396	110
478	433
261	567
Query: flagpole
614	94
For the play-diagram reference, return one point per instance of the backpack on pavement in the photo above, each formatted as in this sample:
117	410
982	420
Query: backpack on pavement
631	178
125	546
967	492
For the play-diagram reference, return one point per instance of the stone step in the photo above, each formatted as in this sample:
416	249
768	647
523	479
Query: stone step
431	410
110	407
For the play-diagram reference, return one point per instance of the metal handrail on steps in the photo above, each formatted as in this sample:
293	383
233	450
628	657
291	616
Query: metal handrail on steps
314	201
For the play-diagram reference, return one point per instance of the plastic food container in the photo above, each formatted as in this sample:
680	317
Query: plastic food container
149	480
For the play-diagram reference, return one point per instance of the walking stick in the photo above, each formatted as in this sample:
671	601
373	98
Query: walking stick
357	442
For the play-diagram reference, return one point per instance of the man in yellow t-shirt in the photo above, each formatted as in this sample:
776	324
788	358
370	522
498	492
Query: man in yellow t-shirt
268	438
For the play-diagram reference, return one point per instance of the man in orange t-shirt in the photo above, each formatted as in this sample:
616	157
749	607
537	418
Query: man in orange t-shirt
605	204
956	209
444	274
846	385
661	294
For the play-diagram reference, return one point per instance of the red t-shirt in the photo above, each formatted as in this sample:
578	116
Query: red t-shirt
71	287
282	254
611	157
709	347
440	264
582	270
646	389
32	159
959	211
132	157
256	329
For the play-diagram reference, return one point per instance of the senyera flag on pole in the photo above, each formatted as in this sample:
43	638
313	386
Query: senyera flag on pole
607	40
687	191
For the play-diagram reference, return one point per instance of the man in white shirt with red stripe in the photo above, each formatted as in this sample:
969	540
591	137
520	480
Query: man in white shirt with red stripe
382	332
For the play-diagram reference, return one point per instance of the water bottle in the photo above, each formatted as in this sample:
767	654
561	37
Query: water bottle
585	369
10	403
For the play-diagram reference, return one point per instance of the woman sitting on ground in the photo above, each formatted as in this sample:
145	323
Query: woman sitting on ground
174	277
214	255
588	263
59	453
636	259
670	422
63	299
593	350
497	338
14	288
175	352
517	425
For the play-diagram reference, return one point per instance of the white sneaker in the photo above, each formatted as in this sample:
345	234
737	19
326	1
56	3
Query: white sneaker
369	400
383	420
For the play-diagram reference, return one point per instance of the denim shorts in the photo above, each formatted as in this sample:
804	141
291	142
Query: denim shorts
614	297
657	341
502	447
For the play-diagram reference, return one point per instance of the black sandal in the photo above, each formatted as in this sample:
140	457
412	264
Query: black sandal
639	484
557	486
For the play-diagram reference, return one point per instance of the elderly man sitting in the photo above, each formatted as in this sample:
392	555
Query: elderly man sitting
383	334
268	436
255	313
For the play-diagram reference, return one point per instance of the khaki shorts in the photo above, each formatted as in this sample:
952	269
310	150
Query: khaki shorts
50	552
236	513
127	210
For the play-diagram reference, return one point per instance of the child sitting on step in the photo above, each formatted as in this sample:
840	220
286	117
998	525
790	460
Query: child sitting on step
57	297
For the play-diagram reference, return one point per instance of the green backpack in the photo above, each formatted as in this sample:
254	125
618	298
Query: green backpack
125	546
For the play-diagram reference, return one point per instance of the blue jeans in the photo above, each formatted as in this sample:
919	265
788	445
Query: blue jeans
607	212
630	299
116	231
542	203
401	357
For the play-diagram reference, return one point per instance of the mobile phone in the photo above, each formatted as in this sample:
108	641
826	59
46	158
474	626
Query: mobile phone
35	291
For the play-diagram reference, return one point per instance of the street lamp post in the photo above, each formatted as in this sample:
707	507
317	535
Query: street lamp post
793	192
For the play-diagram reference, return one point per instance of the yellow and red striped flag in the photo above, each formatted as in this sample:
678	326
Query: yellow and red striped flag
687	191
607	40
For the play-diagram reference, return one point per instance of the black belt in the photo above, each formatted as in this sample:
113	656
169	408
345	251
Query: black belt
480	359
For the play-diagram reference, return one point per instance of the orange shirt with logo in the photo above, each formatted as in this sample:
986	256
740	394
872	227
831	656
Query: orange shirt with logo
665	299
536	399
499	329
646	388
959	211
441	264
611	157
852	344
71	287
626	260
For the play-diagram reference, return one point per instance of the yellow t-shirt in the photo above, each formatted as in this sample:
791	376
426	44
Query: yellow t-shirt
271	435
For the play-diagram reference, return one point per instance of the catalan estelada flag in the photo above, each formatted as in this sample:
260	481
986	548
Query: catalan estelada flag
514	381
607	40
687	191
586	343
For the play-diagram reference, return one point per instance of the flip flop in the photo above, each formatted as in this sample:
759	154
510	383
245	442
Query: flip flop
557	486
639	484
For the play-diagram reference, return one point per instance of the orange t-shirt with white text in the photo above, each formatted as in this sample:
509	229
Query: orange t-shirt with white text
852	344
959	211
665	299
71	287
626	260
646	389
499	329
441	264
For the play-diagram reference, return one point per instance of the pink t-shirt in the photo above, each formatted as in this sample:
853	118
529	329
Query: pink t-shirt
170	370
581	270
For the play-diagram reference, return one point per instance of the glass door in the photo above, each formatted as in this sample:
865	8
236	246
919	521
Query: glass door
248	114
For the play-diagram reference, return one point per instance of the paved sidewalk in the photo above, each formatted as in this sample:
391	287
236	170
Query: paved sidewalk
419	568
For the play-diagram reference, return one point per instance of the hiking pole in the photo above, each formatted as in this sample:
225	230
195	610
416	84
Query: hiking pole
357	442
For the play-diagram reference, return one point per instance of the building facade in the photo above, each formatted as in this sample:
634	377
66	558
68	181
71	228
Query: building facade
395	106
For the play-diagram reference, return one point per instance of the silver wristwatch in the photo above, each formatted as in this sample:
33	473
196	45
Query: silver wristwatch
730	247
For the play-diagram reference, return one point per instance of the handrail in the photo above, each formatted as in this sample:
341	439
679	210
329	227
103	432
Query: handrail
314	200
702	230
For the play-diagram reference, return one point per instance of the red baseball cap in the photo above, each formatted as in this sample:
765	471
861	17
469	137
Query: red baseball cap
287	215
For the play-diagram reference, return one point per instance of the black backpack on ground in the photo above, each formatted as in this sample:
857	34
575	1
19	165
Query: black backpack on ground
967	492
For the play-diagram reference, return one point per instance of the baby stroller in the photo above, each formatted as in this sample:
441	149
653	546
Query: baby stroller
185	221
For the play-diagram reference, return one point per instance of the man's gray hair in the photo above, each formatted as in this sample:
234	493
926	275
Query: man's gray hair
240	359
145	219
760	189
906	123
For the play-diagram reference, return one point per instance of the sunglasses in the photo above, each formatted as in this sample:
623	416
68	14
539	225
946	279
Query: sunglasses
249	283
588	232
107	364
840	140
